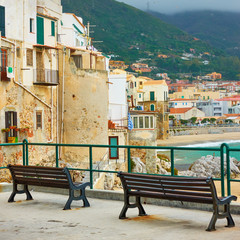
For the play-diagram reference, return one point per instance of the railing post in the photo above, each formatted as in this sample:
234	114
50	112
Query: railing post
172	162
91	167
24	152
25	141
129	160
228	171
57	156
222	170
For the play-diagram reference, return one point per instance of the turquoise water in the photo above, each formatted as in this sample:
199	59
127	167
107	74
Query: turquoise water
186	158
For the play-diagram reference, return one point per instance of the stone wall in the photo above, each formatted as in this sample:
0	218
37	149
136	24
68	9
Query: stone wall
84	119
144	138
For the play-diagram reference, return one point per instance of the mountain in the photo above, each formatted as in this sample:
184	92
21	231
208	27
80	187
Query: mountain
129	32
133	35
220	29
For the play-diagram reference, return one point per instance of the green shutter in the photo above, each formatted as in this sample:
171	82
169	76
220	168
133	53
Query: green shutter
152	97
152	108
52	28
40	30
2	20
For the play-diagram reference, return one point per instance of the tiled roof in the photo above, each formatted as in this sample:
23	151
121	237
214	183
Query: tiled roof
179	110
156	82
181	99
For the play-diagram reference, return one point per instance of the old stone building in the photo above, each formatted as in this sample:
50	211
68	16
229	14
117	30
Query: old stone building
49	92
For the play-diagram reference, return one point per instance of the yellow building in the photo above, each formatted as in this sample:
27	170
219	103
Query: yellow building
194	93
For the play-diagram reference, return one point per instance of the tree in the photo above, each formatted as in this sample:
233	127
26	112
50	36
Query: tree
212	120
193	120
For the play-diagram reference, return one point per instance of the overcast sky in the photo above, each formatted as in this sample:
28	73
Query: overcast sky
172	6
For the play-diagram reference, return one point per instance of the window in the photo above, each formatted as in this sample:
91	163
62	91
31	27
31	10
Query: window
143	122
2	20
10	120
29	57
140	95
152	107
78	61
135	84
32	26
152	96
39	120
52	28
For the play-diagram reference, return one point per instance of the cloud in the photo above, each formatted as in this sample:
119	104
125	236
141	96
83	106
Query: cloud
172	6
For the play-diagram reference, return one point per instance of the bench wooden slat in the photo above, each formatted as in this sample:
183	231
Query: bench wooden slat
163	182
33	170
172	191
190	188
17	167
176	197
28	174
33	180
143	176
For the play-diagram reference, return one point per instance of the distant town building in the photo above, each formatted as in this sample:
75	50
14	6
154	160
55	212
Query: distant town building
117	65
140	67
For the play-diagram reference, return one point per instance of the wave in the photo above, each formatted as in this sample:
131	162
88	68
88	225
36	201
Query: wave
213	144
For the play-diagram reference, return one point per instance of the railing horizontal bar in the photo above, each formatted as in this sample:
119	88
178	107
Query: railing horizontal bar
11	144
234	180
123	146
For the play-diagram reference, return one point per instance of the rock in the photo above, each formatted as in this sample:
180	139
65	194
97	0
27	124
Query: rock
210	166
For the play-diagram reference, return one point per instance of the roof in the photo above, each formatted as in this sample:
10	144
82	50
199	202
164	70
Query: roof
179	110
182	100
76	19
156	82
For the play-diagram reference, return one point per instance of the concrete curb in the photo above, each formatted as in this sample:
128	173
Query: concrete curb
118	196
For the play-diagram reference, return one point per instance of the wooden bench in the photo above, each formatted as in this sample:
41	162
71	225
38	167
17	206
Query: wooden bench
46	177
198	190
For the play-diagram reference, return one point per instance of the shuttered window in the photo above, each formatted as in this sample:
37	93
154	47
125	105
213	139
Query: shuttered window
52	28
10	120
39	119
40	30
78	61
2	20
29	57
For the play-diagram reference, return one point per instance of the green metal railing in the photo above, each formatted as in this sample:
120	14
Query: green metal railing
223	149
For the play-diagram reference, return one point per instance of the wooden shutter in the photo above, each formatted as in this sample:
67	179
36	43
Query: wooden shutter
6	124
40	30
15	123
2	20
29	57
52	28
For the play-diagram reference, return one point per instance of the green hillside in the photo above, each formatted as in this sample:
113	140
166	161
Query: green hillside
133	34
122	27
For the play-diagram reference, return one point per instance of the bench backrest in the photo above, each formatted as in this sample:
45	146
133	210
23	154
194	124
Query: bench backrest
200	190
39	176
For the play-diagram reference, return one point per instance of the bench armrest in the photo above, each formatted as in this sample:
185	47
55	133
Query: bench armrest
226	200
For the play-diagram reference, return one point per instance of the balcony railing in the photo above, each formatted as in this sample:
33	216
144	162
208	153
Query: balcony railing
4	77
46	77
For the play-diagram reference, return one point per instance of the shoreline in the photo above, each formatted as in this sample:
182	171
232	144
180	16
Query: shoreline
198	139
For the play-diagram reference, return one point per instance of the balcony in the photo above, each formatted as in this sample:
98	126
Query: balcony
46	77
4	77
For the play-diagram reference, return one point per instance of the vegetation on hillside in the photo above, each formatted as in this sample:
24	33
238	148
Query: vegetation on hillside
134	35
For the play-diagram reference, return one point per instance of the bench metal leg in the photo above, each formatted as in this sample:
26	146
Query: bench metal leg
140	207
16	191
211	226
81	196
230	222
127	205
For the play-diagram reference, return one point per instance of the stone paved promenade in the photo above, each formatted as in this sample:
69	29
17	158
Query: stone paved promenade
43	219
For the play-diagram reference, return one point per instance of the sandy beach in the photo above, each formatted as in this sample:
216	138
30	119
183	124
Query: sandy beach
201	138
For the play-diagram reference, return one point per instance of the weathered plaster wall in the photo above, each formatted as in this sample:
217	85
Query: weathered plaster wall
85	110
144	138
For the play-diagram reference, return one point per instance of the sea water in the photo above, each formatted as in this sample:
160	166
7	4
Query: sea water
184	158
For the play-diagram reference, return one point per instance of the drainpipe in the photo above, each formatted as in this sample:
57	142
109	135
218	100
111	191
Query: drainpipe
62	117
